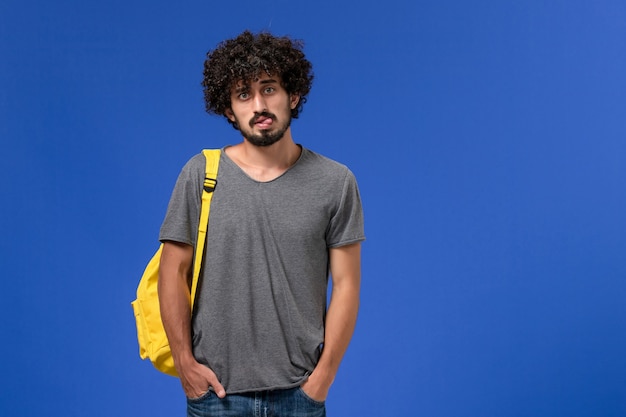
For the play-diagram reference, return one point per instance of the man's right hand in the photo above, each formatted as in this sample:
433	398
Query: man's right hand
174	295
197	379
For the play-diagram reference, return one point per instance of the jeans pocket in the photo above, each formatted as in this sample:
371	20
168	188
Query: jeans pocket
309	399
201	398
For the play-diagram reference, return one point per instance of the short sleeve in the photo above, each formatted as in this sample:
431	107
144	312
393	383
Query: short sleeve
183	211
346	224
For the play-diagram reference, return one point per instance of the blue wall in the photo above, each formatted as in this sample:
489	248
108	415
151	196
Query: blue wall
488	139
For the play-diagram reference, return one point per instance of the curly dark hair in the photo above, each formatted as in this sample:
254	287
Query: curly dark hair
244	58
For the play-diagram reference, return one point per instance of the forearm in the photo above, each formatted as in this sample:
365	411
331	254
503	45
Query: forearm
174	299
340	323
345	268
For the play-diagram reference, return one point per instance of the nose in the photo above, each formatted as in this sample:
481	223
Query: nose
259	103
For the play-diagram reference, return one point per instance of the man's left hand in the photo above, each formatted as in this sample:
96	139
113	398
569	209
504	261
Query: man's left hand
315	388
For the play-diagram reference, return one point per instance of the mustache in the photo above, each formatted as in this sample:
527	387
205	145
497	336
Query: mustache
257	116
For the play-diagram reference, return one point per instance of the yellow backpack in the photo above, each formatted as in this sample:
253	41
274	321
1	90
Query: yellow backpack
153	341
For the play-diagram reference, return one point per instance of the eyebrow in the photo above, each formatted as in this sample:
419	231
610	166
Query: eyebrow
246	87
268	81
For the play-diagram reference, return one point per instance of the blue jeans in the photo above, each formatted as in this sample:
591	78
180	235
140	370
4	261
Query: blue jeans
280	403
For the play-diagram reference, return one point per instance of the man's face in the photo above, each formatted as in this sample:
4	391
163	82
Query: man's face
261	110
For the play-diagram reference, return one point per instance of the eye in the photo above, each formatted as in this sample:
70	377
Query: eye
244	96
269	90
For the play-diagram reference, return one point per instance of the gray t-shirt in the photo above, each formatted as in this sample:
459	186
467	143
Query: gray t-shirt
259	315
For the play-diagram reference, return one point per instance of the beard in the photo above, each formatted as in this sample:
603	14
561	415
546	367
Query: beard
267	137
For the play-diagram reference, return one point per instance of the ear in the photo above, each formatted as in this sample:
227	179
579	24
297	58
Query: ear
294	99
229	113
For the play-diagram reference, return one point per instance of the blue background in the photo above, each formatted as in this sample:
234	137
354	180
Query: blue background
488	138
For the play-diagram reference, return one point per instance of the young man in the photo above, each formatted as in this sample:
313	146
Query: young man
282	218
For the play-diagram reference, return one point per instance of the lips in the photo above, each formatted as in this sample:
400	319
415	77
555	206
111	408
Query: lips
263	120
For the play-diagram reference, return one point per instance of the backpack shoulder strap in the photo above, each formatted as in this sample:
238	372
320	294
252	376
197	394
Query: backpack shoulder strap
212	157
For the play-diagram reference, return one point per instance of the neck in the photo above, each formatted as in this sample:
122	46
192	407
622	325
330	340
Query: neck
264	163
